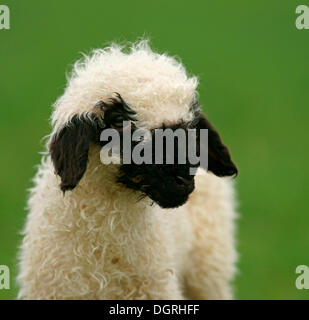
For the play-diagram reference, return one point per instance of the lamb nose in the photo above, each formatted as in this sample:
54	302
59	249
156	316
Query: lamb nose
182	181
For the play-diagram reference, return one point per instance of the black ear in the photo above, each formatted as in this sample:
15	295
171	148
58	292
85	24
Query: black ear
219	158
69	150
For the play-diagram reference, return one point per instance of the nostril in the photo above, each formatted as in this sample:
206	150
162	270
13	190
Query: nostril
182	181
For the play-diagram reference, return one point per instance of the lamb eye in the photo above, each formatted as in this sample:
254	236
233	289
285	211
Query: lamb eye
137	179
118	121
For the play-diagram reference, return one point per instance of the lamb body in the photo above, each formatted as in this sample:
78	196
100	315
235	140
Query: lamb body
97	241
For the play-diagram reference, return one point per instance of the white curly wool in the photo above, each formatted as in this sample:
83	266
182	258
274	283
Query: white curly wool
156	85
97	241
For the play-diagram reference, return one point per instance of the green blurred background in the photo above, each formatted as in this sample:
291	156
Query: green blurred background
254	76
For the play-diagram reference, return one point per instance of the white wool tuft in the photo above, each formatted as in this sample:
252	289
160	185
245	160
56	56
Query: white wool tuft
155	85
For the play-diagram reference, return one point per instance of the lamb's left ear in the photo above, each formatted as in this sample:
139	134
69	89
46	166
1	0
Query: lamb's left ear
219	158
69	150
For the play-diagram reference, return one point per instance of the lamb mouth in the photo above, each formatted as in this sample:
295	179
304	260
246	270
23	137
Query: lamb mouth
170	204
169	201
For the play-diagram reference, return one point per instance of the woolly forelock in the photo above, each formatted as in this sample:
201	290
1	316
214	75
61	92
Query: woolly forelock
156	86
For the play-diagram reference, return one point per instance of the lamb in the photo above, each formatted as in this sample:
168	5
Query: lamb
118	231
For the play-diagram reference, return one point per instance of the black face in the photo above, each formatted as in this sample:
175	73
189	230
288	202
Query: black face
168	185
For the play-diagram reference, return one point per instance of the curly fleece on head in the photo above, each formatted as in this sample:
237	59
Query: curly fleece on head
157	85
97	241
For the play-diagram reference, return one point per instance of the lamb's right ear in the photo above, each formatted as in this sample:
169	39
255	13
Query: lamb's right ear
69	150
